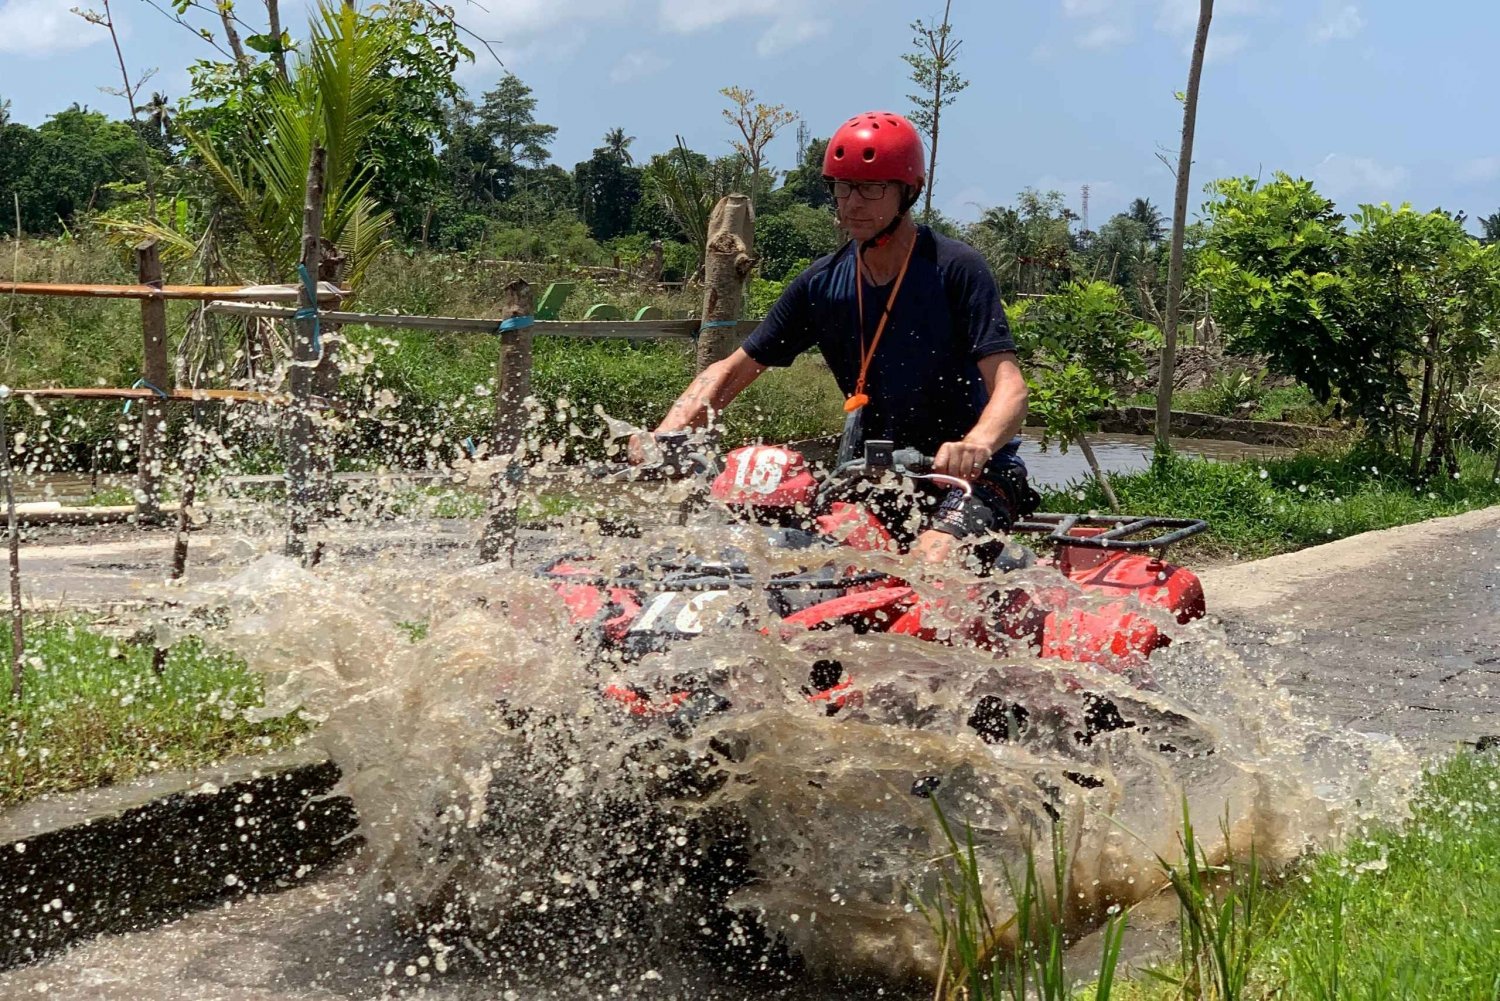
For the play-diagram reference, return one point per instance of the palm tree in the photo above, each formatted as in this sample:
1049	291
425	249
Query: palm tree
332	99
158	113
1148	215
617	144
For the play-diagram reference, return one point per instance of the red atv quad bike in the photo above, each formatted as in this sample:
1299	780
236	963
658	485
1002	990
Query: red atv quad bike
1113	565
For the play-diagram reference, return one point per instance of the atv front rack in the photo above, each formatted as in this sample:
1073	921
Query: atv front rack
1120	532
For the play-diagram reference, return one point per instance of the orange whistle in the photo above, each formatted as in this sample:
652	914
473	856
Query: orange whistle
854	402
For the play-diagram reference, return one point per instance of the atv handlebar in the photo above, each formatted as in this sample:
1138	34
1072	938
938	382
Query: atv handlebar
882	457
1119	532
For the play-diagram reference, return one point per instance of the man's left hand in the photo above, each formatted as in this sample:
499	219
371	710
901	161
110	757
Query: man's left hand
964	459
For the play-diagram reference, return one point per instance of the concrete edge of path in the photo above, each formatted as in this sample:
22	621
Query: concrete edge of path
127	857
1260	583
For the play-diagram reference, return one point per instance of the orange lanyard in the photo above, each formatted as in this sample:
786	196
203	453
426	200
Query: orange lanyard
859	398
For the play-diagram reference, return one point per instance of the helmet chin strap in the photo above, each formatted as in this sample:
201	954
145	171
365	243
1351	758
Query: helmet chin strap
884	236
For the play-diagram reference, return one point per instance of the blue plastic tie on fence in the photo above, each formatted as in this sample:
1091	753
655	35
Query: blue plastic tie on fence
310	312
470	448
714	325
516	323
147	384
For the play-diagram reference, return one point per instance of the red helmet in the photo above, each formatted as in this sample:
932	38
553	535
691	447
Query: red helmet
876	146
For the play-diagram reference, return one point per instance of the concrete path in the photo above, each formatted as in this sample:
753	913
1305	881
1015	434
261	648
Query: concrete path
1395	632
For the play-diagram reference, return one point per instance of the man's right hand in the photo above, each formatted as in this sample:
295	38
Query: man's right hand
635	448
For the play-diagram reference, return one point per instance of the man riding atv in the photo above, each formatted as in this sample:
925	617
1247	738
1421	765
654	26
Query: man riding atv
911	324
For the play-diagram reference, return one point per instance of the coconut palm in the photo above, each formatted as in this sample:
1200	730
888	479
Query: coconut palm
158	113
617	143
1148	215
331	99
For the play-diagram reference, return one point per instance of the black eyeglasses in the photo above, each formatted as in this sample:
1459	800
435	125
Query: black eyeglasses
868	190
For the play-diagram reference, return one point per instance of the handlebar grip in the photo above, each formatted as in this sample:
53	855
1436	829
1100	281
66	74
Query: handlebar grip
913	460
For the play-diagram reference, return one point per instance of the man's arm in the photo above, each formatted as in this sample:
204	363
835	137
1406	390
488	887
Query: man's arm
999	423
713	390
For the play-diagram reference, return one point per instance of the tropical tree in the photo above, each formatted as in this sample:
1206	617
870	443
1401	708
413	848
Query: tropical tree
804	183
795	236
1489	226
607	186
1076	347
507	119
1179	229
758	124
688	185
333	98
1142	211
77	161
617	145
932	71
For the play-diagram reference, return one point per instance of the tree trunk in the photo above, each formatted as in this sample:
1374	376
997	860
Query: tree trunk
273	16
1179	226
1420	433
13	538
241	61
512	387
727	261
1100	476
302	427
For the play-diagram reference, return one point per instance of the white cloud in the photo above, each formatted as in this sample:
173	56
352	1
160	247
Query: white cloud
637	64
786	33
1339	22
1223	46
1479	170
1104	36
1176	17
688	16
1085	8
1342	177
41	27
1104	23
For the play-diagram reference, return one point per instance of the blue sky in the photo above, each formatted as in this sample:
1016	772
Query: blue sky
1376	100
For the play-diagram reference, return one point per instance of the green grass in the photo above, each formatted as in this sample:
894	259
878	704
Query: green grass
1259	508
93	712
1293	404
1410	912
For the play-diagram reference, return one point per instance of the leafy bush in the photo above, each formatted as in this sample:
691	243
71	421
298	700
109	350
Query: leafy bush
796	234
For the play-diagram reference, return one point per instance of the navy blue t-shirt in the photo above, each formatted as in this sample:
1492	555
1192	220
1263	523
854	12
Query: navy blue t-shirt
924	383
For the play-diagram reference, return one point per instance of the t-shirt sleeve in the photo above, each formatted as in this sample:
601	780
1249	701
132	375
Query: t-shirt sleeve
787	330
979	322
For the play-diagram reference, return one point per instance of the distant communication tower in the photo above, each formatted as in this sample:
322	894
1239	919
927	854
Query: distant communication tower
1086	208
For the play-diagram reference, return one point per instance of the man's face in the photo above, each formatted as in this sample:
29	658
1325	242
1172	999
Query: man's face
867	208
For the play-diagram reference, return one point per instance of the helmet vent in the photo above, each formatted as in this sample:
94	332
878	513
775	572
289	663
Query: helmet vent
874	125
869	154
838	154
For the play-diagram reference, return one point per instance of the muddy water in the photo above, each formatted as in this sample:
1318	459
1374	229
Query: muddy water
1049	467
522	837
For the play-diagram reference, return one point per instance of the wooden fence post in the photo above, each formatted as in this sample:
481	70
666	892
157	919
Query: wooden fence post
512	387
727	261
301	428
13	547
325	383
156	373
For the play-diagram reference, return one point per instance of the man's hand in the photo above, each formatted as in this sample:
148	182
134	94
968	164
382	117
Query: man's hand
635	448
964	459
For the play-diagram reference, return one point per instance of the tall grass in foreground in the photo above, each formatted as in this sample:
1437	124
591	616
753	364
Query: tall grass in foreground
1018	959
1408	912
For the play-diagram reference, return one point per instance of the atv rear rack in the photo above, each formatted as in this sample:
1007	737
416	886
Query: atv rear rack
1120	531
